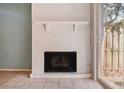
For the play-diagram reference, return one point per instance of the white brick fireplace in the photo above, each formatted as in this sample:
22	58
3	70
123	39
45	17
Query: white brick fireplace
61	27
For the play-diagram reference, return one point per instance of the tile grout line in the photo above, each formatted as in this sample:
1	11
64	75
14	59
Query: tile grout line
18	78
72	83
59	83
94	83
45	83
87	84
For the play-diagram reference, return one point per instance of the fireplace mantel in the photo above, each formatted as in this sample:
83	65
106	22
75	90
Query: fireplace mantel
73	23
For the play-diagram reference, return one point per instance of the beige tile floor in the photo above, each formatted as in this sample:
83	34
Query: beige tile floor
21	80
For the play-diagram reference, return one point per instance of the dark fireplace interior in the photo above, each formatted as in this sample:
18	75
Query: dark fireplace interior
60	62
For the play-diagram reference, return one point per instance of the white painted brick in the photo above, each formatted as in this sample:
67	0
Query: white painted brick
60	38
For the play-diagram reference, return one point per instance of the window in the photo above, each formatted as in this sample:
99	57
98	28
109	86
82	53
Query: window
112	65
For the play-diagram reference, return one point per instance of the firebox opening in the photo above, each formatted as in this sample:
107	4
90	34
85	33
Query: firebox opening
60	62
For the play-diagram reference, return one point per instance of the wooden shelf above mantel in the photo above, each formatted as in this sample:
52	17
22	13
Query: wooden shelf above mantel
61	22
74	23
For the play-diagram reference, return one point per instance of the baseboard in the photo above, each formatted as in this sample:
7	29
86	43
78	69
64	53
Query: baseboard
15	69
60	75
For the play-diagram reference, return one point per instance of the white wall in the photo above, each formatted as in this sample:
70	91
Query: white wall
61	12
61	37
